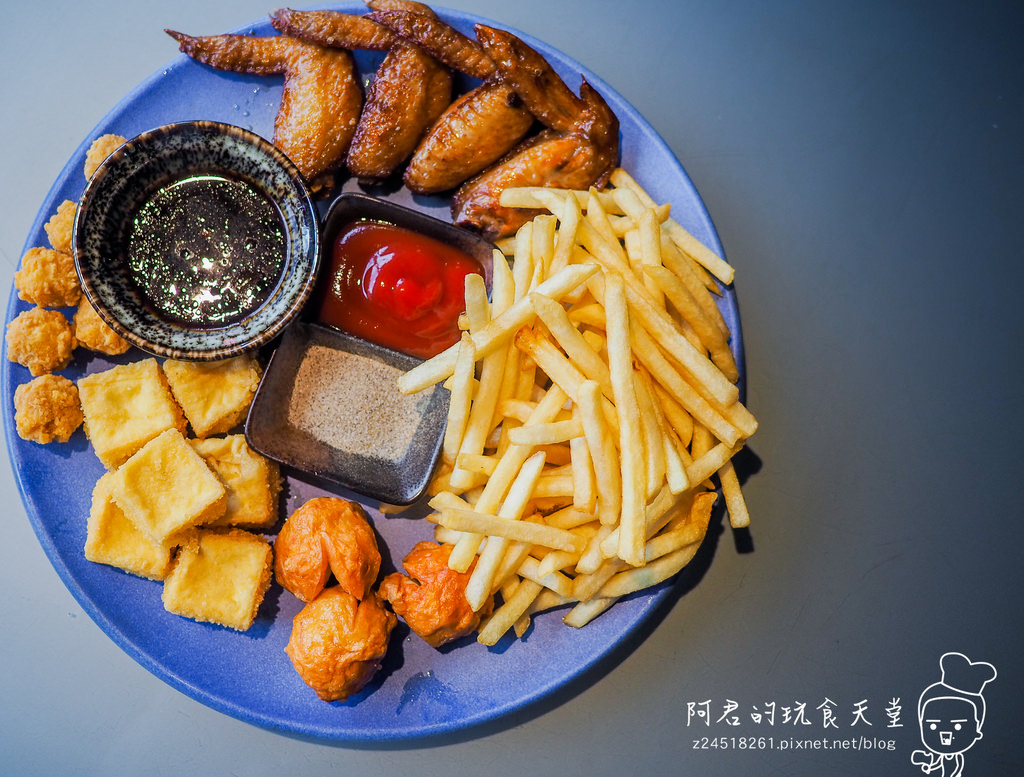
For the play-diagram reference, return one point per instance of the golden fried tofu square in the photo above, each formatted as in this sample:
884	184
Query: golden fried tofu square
125	407
252	480
215	396
114	540
167	488
220	577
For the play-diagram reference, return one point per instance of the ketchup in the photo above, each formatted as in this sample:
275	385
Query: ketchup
395	287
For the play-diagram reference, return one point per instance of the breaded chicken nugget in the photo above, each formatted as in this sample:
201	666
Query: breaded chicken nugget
92	332
100	149
61	225
41	340
46	409
47	278
432	599
338	642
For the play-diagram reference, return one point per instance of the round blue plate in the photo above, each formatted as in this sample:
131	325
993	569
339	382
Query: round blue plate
420	692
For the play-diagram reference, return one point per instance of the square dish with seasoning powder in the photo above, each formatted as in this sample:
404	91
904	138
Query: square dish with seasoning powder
328	405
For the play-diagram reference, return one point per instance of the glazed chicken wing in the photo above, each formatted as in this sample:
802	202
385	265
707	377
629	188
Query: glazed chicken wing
578	149
322	94
474	131
432	598
410	89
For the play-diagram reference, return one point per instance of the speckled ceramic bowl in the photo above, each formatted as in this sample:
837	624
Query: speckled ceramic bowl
197	240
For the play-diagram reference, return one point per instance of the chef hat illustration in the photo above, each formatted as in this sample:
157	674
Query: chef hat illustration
961	678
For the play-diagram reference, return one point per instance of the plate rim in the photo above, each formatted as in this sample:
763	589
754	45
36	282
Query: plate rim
650	602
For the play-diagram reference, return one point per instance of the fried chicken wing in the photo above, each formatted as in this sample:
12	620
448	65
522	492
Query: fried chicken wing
432	598
322	95
474	131
326	535
410	89
337	642
47	408
578	149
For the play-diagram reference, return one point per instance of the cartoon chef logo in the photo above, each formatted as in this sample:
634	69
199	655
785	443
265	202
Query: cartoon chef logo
951	713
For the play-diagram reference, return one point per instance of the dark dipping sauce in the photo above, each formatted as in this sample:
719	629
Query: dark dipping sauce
395	287
207	250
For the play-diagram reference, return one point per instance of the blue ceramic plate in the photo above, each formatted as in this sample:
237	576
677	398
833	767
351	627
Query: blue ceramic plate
420	692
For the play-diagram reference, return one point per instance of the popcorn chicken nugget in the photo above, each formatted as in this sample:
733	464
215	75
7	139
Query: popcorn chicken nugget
338	642
47	409
326	535
92	332
100	149
220	577
114	540
41	340
215	396
432	598
47	278
60	227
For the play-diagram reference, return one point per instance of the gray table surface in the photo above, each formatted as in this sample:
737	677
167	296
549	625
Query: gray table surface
863	164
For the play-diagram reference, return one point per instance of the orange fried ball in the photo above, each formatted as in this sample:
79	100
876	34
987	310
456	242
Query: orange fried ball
338	642
47	409
432	599
326	535
41	340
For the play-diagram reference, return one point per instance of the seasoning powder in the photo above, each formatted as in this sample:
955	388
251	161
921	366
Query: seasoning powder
351	403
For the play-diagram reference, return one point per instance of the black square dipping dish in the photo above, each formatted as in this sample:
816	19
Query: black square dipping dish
328	405
329	402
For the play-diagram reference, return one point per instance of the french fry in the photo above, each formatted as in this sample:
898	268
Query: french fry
547	433
701	253
584	612
498	330
710	335
481	581
572	341
584	487
631	458
461	398
603	453
735	504
503	618
501	479
521	531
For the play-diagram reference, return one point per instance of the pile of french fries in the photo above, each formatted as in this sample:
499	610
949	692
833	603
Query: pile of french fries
593	399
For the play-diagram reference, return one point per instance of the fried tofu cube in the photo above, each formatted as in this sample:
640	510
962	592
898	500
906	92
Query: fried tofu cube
215	396
125	407
252	480
220	577
114	540
166	488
